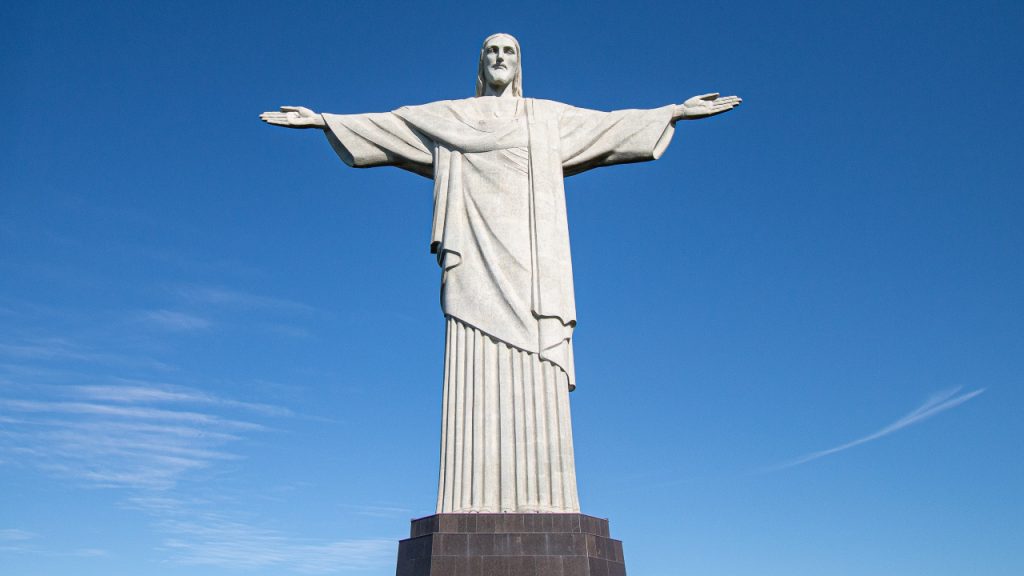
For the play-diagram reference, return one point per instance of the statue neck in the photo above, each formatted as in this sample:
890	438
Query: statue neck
499	91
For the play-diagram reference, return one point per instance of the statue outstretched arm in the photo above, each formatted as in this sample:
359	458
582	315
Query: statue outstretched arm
363	140
704	106
294	117
590	138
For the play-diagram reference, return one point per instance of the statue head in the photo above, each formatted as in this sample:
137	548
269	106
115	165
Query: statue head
501	66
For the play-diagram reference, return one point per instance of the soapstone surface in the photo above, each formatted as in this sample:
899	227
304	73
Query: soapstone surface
500	234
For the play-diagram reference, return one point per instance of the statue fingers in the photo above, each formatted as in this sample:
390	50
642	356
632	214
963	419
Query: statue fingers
278	118
300	110
710	96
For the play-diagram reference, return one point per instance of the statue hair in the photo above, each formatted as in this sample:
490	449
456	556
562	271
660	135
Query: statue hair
517	82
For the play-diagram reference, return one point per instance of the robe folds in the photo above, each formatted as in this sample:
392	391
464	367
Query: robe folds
500	227
500	233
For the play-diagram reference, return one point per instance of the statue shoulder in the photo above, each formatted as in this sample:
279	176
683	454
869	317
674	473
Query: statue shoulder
438	108
549	104
549	108
441	104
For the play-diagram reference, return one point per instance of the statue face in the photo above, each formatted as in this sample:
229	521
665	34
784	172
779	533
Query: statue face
501	61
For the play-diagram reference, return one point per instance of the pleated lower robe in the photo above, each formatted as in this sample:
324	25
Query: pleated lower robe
506	438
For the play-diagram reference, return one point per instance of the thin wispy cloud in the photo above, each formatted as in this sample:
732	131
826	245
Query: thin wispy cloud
18	541
215	541
235	298
136	413
936	404
31	381
15	540
132	391
88	552
61	349
129	436
144	439
34	549
63	414
20	308
174	320
15	535
380	511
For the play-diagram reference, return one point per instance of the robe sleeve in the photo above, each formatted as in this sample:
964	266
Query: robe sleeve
384	139
590	139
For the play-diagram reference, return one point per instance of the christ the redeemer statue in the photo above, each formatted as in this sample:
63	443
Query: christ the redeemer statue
501	237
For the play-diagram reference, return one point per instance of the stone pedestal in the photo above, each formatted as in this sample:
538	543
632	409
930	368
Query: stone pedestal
510	545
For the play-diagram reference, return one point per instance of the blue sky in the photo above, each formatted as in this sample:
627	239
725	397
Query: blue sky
801	332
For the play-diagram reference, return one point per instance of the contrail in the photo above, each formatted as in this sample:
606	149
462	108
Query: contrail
937	403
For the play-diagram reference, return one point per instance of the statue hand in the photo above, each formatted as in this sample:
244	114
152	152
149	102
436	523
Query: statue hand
705	105
294	117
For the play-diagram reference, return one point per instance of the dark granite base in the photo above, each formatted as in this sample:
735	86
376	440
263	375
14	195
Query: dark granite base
510	545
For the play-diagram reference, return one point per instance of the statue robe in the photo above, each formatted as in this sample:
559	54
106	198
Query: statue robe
501	236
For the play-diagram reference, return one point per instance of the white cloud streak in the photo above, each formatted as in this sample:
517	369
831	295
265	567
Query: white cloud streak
936	404
226	297
63	414
380	511
145	438
137	413
127	436
216	541
176	321
131	391
18	541
16	535
60	349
